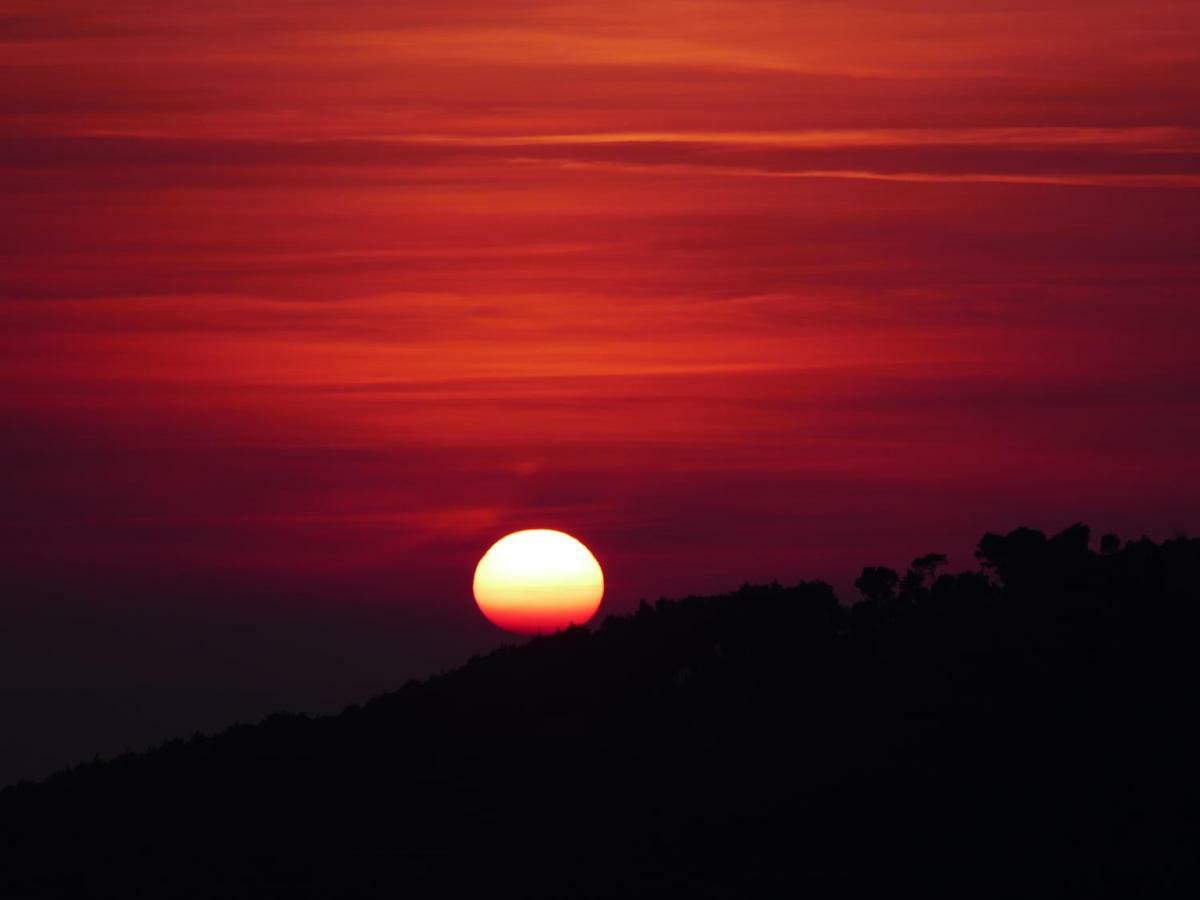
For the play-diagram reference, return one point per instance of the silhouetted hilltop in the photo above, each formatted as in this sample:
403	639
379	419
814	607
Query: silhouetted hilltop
1022	730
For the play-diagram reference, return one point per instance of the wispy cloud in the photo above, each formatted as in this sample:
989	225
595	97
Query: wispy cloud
373	278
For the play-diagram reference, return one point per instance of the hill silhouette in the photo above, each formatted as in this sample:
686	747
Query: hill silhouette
1020	730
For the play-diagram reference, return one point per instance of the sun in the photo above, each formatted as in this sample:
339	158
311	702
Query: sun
538	581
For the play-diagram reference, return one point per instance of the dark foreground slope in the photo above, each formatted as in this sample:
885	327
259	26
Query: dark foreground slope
944	737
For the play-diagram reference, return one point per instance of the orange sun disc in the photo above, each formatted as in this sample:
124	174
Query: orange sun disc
538	581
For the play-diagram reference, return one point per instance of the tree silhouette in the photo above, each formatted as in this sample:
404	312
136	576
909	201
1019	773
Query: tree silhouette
928	565
877	584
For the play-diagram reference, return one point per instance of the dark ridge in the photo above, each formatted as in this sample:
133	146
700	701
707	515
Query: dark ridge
1022	730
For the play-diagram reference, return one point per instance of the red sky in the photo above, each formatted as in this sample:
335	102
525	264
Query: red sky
303	304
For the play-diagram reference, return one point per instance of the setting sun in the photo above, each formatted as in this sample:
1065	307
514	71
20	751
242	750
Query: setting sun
538	581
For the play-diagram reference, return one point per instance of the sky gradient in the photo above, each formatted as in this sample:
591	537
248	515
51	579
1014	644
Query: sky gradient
303	305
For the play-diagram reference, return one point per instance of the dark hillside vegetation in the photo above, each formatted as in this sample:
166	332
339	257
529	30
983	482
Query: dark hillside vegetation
1022	730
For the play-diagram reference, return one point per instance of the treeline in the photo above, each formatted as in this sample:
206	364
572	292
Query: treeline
1018	729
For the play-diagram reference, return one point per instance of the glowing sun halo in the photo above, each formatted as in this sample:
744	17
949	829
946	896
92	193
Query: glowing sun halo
537	581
